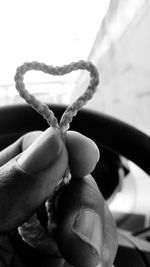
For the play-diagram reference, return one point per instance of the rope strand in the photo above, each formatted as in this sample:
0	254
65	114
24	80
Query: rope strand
31	231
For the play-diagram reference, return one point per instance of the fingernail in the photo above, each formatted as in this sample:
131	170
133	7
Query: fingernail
43	151
88	227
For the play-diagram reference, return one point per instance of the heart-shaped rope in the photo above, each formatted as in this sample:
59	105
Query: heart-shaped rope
43	109
32	231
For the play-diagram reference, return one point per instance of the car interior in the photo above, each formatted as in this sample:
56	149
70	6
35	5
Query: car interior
116	119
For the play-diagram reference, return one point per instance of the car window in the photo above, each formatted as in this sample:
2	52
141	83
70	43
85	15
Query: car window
53	32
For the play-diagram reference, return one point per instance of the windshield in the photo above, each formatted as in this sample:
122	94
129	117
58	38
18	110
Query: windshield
114	35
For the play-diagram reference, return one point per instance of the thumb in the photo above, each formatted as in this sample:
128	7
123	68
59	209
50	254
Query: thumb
27	180
86	232
42	152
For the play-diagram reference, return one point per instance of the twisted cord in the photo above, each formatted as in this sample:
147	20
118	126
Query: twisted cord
31	231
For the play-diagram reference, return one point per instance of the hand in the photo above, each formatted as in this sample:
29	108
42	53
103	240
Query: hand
30	170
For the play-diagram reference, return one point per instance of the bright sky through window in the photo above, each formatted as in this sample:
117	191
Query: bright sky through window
55	32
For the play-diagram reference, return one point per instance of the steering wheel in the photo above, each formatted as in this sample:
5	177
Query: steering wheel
104	130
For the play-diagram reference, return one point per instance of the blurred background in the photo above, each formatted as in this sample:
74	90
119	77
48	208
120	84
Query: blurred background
54	32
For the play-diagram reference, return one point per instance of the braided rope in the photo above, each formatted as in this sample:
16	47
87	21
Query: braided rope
42	108
31	231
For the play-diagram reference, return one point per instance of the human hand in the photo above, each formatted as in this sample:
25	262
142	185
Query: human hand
28	178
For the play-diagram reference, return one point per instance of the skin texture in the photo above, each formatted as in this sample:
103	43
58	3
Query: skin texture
30	170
